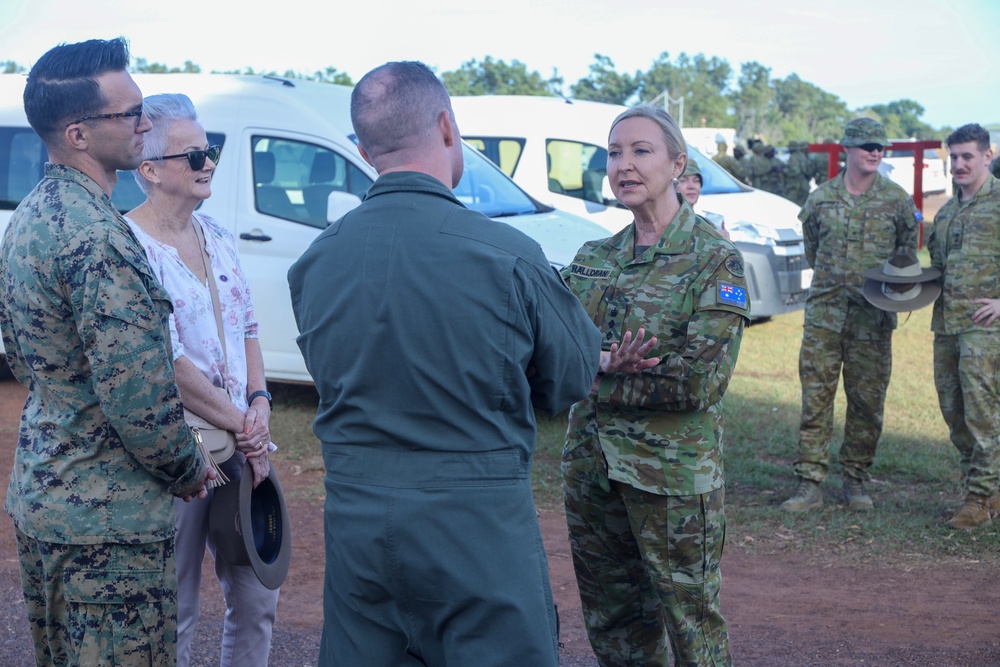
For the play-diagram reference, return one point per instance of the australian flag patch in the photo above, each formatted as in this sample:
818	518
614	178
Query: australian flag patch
732	295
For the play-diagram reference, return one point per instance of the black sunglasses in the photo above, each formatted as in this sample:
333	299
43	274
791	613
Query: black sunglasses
197	158
112	116
869	148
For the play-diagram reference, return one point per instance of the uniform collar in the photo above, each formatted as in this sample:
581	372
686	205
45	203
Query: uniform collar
410	181
984	191
673	241
67	173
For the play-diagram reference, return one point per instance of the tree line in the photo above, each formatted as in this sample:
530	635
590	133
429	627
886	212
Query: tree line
757	104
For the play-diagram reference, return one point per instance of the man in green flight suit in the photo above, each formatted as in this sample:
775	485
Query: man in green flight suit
851	223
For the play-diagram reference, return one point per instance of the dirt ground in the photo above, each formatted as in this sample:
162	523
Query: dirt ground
783	610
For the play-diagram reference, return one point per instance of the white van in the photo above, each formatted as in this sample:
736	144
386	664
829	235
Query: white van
289	163
556	149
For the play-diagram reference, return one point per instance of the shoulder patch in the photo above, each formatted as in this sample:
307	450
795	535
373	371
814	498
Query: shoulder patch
589	271
734	264
732	295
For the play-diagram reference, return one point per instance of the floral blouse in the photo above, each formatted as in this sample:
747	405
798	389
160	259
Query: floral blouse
193	330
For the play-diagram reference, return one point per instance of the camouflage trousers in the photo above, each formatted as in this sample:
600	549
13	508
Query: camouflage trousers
100	604
863	352
648	571
967	378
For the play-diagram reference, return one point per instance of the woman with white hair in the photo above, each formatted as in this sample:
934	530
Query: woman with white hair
642	465
217	359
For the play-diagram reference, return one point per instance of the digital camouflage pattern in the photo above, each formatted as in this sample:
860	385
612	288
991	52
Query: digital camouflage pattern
648	448
965	244
672	545
798	173
661	429
103	604
844	236
102	443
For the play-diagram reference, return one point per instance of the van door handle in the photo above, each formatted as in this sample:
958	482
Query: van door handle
254	237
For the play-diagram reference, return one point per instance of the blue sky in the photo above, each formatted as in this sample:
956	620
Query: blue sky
945	55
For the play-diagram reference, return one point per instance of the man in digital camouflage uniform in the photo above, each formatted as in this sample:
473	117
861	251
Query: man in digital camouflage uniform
853	222
102	448
965	245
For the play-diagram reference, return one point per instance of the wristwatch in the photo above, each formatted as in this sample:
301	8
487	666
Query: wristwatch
261	392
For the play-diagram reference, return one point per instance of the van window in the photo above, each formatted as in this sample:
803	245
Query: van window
127	195
505	152
23	167
293	179
576	169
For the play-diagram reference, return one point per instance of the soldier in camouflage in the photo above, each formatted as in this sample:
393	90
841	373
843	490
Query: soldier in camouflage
102	448
851	223
643	464
798	172
759	167
965	244
728	162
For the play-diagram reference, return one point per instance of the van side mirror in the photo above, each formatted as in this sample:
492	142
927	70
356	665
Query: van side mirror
338	203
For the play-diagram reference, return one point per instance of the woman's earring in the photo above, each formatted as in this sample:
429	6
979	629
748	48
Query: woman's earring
675	182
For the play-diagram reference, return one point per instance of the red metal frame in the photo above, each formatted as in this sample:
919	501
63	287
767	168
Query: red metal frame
918	148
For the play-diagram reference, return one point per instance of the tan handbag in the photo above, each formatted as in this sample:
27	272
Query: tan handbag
216	445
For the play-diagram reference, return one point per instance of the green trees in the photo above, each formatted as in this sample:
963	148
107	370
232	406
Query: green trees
713	93
496	77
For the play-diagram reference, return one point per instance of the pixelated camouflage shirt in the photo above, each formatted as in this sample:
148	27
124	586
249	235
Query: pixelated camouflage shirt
102	440
843	238
661	429
965	245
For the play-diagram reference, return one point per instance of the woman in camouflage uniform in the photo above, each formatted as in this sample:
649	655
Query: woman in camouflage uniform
643	457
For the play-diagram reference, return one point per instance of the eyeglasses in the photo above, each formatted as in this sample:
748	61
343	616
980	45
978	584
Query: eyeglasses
197	158
871	148
112	116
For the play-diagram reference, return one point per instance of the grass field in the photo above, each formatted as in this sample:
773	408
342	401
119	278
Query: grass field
915	477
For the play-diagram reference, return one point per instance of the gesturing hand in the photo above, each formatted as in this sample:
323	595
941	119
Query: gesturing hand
629	356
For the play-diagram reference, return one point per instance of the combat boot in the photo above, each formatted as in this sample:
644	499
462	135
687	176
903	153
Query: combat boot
975	512
806	497
855	496
994	505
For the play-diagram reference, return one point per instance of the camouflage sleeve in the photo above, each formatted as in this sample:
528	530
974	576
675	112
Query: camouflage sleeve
123	312
810	232
933	243
907	221
698	364
689	380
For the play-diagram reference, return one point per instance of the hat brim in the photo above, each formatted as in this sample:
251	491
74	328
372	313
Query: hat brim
872	291
879	275
251	526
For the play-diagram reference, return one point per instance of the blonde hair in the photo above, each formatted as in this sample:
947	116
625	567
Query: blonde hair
672	135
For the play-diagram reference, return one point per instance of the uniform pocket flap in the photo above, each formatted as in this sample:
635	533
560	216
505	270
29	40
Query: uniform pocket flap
113	586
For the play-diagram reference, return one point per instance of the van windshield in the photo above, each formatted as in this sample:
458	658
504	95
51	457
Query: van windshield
715	180
486	189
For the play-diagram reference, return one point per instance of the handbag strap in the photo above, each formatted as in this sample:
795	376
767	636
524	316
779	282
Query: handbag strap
215	299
